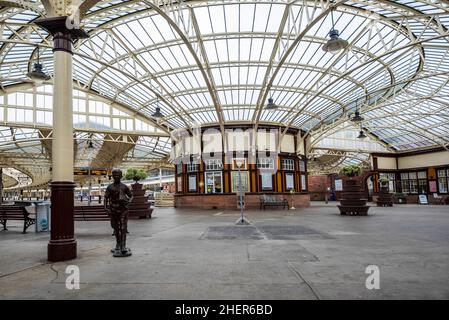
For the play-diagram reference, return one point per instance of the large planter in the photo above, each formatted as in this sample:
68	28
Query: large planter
385	198
140	207
352	199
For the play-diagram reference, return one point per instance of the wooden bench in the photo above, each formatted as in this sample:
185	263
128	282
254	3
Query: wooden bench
90	213
266	200
16	212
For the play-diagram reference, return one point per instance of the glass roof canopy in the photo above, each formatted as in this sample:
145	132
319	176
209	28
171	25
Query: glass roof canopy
217	62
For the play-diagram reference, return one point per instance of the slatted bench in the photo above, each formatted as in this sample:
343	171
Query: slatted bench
16	212
90	213
266	200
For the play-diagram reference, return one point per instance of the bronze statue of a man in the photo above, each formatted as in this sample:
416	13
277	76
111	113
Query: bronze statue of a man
116	201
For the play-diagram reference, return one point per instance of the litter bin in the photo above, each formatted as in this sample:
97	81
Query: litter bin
43	216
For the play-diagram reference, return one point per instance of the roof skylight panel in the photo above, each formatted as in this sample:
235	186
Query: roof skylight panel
173	83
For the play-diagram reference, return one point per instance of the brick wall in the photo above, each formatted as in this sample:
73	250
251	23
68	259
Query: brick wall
229	201
318	187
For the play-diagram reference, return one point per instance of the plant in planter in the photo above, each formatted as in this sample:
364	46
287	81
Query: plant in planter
385	198
135	174
351	171
140	207
383	181
353	201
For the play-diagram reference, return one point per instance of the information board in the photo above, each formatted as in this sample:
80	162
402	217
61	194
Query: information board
93	172
192	183
423	199
338	185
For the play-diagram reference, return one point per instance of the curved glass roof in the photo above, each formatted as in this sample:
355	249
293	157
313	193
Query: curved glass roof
217	62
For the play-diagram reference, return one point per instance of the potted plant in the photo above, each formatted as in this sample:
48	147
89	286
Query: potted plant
383	181
140	207
135	174
385	198
351	171
353	198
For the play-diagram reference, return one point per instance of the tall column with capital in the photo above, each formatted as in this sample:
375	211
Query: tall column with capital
62	244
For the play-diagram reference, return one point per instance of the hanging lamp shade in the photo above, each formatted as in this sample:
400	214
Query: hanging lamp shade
37	75
271	105
157	113
335	44
357	117
362	135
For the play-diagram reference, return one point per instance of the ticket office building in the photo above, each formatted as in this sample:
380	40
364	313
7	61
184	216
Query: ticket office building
265	162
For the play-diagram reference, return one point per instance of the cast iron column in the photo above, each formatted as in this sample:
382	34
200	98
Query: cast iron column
62	244
1	186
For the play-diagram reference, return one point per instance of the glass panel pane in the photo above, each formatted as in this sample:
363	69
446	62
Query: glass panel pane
442	185
303	182
422	175
289	181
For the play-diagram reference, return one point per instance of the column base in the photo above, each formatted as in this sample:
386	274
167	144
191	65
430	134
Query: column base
62	244
61	250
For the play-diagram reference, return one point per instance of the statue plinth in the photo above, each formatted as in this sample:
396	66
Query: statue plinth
117	253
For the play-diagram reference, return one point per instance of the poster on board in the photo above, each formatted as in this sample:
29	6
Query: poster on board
289	181
432	186
192	183
338	185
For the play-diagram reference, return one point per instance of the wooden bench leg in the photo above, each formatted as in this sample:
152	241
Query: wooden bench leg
3	222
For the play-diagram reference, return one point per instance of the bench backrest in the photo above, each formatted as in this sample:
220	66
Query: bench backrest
13	212
271	198
90	213
94	210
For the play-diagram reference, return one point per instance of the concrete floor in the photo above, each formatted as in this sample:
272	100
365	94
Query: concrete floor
305	254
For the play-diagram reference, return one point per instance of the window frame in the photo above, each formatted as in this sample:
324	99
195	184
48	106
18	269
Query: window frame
220	173
262	162
291	163
217	164
444	178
